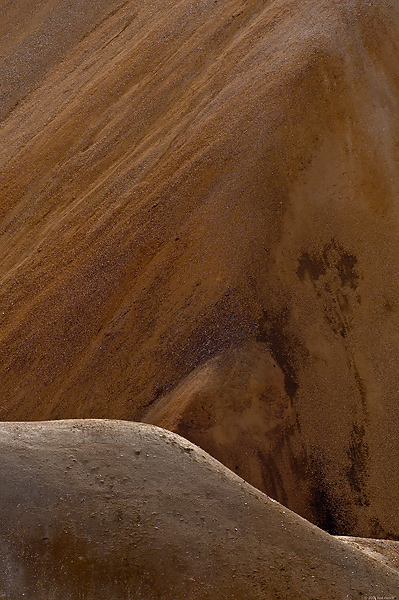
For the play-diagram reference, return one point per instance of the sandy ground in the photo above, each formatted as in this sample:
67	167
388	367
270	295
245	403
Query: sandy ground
386	551
199	228
115	510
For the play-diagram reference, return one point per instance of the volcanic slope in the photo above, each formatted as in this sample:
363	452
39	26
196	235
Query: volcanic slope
199	228
110	510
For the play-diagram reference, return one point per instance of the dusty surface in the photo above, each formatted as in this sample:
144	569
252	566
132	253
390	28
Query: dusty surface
199	228
386	551
112	510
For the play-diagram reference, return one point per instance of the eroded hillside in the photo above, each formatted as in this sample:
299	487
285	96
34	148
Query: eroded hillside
199	228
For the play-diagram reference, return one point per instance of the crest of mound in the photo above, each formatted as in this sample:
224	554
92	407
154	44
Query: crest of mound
108	509
199	228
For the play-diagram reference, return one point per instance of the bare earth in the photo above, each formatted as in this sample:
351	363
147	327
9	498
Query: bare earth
199	229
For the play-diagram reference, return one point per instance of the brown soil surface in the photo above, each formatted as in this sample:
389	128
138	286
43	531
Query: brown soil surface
109	510
381	550
199	228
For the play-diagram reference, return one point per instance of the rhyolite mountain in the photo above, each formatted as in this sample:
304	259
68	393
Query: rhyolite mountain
199	228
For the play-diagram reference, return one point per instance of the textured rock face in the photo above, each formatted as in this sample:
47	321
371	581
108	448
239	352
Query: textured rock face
111	510
199	228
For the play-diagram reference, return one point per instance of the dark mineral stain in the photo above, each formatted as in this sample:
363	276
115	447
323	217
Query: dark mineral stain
333	258
346	267
361	387
333	273
358	455
273	332
272	478
335	323
328	509
313	266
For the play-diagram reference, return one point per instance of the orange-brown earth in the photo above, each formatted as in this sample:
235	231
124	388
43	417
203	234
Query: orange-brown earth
112	510
199	229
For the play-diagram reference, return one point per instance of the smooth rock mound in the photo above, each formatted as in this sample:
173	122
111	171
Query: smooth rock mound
110	510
